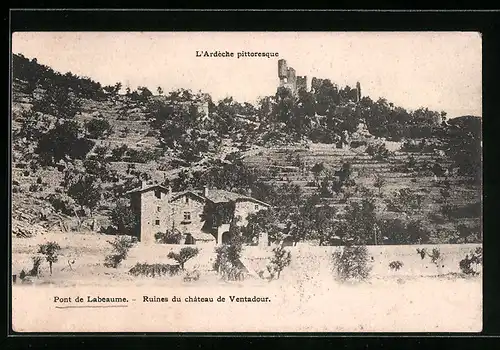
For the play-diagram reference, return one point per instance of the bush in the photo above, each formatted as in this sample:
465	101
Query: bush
120	248
405	200
118	153
191	276
396	265
153	270
351	263
378	151
61	204
169	237
435	255
35	270
35	187
98	128
469	265
183	256
281	259
422	252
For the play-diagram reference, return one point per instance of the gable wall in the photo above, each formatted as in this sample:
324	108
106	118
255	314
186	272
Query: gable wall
195	206
150	213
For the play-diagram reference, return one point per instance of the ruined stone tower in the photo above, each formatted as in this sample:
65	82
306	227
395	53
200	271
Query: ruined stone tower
287	76
358	92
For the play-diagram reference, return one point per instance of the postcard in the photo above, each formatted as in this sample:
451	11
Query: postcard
246	182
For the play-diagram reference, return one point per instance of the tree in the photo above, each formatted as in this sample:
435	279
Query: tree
285	102
118	87
120	247
33	125
183	256
86	192
324	221
227	262
379	182
50	250
159	90
98	128
61	142
352	263
123	218
262	221
317	170
58	142
59	102
281	259
463	145
357	225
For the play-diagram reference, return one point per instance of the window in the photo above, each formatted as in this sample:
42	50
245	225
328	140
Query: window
187	216
158	194
187	200
157	222
256	207
158	209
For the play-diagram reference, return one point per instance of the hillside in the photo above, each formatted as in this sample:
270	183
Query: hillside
157	147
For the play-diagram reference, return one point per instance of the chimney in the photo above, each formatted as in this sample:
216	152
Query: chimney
205	191
143	184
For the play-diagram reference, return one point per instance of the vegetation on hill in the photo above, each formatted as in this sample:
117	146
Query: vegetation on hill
99	143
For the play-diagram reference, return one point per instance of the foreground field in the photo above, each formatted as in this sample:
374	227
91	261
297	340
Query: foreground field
421	297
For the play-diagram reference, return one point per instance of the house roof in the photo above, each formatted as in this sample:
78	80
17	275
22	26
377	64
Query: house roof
147	188
220	196
214	195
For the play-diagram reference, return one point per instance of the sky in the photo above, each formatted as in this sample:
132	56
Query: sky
438	70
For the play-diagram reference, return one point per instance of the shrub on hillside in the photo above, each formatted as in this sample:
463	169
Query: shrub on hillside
35	188
120	247
378	151
86	191
98	128
61	203
352	263
404	200
118	153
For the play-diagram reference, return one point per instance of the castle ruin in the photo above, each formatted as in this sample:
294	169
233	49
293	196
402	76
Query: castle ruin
288	79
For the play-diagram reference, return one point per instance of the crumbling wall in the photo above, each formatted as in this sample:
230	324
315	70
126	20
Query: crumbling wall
301	82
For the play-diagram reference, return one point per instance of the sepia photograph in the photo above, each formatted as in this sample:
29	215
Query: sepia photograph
246	182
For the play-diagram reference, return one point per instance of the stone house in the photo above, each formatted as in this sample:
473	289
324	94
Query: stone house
200	216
